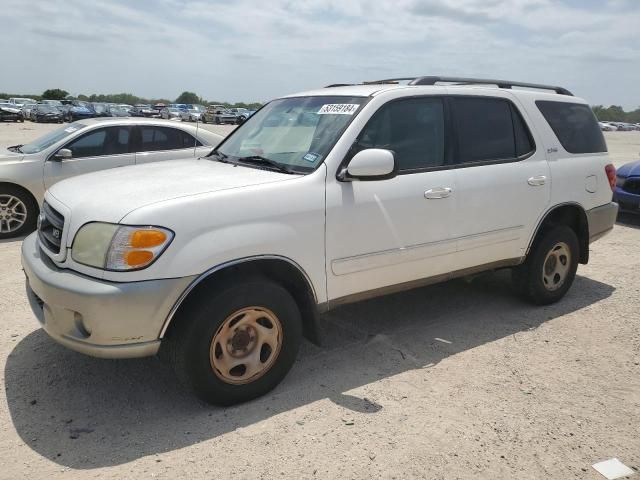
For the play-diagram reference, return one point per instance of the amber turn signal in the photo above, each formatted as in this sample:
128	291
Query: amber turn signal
147	238
135	258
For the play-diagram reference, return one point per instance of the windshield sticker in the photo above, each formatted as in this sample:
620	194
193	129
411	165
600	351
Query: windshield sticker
311	157
70	129
338	109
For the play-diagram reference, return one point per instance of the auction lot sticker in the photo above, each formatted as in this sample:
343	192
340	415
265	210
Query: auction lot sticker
338	109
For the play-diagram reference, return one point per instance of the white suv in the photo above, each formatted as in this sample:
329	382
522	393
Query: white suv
222	263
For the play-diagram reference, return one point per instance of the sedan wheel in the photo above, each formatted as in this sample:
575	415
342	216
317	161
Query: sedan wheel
18	212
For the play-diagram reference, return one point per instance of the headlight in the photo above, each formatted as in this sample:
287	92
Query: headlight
118	247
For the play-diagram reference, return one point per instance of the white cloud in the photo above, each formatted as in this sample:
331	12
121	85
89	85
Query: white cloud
249	50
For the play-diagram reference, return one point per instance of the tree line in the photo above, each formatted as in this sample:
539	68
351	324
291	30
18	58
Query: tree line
616	113
613	113
130	99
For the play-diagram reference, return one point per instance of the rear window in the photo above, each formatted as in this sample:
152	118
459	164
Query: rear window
490	129
575	125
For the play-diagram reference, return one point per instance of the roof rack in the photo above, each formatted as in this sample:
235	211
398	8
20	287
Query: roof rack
432	80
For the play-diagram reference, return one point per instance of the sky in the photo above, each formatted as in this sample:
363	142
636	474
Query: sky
247	50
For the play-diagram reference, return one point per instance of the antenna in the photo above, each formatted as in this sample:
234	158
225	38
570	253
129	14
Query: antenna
195	142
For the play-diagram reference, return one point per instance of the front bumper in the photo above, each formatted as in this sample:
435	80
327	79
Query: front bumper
601	220
96	317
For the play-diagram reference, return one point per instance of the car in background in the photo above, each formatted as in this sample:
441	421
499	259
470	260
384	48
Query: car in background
180	106
77	110
87	146
242	114
218	114
109	110
55	103
607	127
171	113
44	113
190	115
9	112
19	102
158	107
26	109
143	111
627	191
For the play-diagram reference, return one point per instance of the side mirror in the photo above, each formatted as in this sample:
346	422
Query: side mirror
370	164
63	154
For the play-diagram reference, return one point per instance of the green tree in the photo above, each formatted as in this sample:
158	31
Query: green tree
55	94
188	97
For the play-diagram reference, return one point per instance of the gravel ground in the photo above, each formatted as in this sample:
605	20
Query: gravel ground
450	381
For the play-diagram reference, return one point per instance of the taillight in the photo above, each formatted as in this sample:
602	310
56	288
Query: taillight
610	170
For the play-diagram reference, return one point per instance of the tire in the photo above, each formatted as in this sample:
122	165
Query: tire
203	119
194	355
17	200
217	121
543	280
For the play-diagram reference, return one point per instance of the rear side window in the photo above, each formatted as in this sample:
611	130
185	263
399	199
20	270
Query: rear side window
489	129
154	139
412	128
575	125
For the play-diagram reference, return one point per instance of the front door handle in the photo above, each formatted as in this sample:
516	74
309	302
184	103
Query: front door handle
437	192
537	181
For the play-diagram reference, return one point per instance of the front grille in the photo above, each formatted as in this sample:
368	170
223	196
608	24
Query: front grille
50	228
632	186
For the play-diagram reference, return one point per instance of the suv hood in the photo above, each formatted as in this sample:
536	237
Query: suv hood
629	170
110	195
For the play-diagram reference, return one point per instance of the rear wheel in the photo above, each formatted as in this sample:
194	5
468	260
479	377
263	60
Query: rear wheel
18	212
237	344
550	268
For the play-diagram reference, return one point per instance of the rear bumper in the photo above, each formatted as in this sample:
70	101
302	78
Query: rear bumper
601	220
96	317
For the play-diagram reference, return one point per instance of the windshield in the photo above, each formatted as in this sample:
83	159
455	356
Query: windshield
297	133
50	138
47	109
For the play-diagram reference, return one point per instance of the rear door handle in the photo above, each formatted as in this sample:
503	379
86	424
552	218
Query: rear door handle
537	181
437	192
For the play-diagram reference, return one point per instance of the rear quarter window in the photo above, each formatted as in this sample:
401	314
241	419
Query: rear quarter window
575	125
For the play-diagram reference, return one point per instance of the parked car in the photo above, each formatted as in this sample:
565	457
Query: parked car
19	102
242	114
26	110
326	197
77	110
191	115
171	113
607	127
218	114
82	147
109	110
45	113
143	111
10	112
627	192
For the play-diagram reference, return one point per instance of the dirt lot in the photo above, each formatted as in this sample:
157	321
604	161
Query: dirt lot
450	381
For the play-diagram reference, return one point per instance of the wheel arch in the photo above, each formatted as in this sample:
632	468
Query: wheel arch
280	269
571	214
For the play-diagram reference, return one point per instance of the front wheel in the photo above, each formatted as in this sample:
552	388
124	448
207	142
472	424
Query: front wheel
550	268
236	344
18	212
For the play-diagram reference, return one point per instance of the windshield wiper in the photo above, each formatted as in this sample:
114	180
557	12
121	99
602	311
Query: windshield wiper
15	148
257	159
219	156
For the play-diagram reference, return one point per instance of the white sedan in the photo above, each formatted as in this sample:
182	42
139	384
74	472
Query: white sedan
26	171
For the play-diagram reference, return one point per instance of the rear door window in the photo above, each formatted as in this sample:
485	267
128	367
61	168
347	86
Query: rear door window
575	125
154	138
489	129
